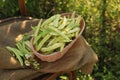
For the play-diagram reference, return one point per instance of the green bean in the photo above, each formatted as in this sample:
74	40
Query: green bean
59	39
44	32
51	41
70	35
63	24
48	52
76	33
54	33
73	15
28	46
20	60
48	21
70	25
59	32
19	46
17	54
36	39
15	51
78	19
27	43
42	42
54	46
73	30
24	49
38	28
26	37
34	28
62	47
55	22
28	56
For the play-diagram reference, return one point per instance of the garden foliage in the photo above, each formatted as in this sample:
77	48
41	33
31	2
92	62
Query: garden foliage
102	30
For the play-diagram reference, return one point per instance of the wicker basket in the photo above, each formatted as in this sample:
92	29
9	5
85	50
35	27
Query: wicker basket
57	55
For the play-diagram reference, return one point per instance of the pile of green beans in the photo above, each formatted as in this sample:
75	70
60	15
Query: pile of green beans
23	52
49	36
55	33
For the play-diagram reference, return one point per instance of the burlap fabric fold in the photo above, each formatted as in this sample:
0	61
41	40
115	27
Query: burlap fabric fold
80	56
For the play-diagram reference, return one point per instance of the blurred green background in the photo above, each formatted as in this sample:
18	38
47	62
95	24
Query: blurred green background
102	30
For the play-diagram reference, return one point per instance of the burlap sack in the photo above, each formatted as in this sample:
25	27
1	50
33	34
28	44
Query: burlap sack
80	56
